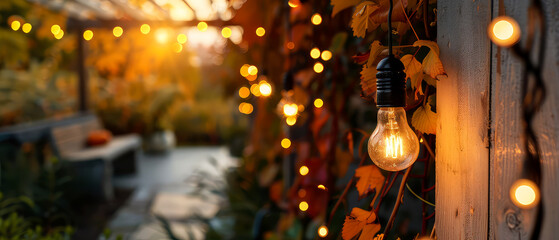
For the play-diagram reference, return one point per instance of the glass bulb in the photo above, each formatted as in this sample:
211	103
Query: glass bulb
393	146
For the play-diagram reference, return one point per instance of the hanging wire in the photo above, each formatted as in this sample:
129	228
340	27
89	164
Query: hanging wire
390	28
533	94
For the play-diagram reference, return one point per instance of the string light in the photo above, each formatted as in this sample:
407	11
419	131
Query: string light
226	32
244	70
304	170
145	29
55	29
251	77
323	231
285	143
245	108
265	88
318	67
244	92
202	26
260	31
117	31
15	25
525	194
316	19
504	31
26	28
252	70
291	121
315	53
181	38
87	35
303	206
318	103
59	35
326	55
255	90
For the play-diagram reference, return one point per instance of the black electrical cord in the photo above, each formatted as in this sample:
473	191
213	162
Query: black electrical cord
390	28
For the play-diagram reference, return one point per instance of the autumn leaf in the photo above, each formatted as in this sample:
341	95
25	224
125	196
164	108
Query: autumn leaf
414	72
376	50
360	21
369	82
380	15
432	64
339	5
360	221
370	178
425	120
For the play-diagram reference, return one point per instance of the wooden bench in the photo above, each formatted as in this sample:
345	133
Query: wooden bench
94	166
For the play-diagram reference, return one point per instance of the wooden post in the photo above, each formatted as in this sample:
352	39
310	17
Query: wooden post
479	134
462	170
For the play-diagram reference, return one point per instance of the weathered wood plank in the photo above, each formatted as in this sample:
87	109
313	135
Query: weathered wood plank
507	153
463	108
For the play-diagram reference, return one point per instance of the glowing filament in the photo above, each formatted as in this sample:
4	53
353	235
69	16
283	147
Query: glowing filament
394	146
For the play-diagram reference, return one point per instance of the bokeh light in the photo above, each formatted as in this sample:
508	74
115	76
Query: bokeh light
244	92
323	231
26	28
318	103
318	67
145	28
181	38
291	121
59	35
226	32
525	193
504	31
87	35
265	88
202	26
162	35
117	31
320	186
255	90
293	3
316	19
260	31
290	45
285	143
315	53
303	170
245	108
290	109
244	70
55	29
177	47
326	55
252	70
15	25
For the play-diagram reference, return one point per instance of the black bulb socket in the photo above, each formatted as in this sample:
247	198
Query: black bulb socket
391	83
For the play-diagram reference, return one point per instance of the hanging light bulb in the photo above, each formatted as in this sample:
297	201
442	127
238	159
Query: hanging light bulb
287	106
393	146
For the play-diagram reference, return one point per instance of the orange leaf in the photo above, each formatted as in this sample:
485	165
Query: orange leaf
414	72
380	15
376	50
360	221
361	22
432	64
370	178
369	82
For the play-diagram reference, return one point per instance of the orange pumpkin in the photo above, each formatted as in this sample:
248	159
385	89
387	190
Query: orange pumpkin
98	137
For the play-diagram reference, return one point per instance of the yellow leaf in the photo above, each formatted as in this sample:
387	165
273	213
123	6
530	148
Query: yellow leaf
425	120
369	82
360	221
376	50
432	64
370	178
340	5
360	21
413	72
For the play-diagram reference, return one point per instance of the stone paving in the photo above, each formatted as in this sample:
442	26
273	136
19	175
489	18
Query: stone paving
165	186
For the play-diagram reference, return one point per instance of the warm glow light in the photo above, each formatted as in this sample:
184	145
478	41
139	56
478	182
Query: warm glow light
304	170
393	146
252	70
145	28
303	206
290	110
315	53
55	29
504	31
318	103
285	143
290	45
326	55
301	108
265	88
293	3
202	26
318	67
177	47
323	231
117	31
260	31
244	70
15	25
26	28
321	187
525	193
291	121
255	90
251	77
59	35
162	35
316	19
421	140
87	35
226	32
244	92
245	108
181	38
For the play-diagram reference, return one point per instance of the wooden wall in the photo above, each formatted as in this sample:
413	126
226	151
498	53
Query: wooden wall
479	150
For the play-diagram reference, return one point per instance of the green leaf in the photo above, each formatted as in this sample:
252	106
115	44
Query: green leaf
425	120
